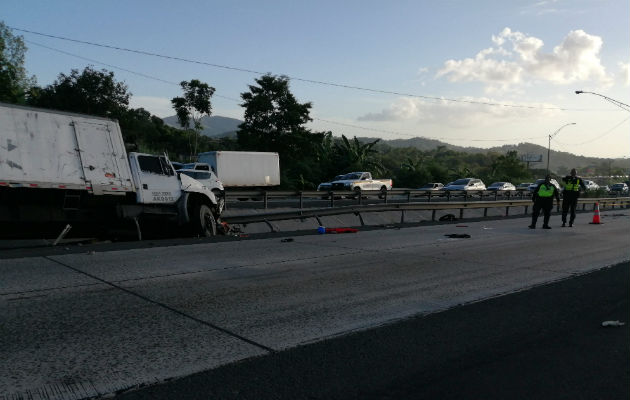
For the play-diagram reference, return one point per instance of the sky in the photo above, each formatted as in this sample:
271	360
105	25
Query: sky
478	73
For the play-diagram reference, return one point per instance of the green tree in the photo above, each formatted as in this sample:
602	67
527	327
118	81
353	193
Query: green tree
356	156
194	105
89	92
14	83
274	121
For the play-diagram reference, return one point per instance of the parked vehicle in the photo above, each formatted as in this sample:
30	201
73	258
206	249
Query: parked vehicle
534	185
360	181
59	167
619	189
523	186
590	185
496	186
432	186
240	169
209	180
326	186
466	184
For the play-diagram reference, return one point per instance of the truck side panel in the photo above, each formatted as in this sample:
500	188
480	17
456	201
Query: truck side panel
46	149
244	168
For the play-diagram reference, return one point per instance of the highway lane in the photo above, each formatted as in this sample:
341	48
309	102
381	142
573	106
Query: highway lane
80	325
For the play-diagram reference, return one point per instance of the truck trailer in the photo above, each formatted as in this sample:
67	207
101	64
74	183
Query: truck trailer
244	168
61	167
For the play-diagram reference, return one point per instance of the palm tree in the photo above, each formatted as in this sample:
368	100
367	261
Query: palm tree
357	156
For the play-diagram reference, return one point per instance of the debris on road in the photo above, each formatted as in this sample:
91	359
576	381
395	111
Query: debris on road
286	240
458	235
448	217
322	230
613	323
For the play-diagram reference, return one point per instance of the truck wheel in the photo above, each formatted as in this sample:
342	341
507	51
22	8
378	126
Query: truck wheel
203	221
383	192
357	193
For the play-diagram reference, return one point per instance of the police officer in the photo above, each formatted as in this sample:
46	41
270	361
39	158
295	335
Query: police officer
572	186
543	200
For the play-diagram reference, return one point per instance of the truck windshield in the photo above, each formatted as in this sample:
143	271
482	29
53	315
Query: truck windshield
155	165
351	176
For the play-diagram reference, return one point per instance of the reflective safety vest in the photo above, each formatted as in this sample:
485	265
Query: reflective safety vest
546	191
573	187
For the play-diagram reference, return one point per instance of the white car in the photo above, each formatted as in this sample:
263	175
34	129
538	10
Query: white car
534	185
209	180
432	186
590	185
501	186
466	184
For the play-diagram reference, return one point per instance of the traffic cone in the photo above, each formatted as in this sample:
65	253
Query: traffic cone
596	215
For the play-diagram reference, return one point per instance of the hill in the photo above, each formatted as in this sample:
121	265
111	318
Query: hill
213	126
561	162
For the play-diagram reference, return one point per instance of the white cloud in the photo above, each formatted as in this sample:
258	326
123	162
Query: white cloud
576	59
158	106
466	113
625	73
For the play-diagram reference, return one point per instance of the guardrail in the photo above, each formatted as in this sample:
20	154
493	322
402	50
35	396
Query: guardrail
384	196
620	202
395	195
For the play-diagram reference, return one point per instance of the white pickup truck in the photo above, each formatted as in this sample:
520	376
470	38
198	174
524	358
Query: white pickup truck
360	181
65	168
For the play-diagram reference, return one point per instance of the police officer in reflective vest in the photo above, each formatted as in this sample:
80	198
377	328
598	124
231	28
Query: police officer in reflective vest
543	200
572	186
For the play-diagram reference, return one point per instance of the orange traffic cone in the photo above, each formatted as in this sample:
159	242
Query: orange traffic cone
596	215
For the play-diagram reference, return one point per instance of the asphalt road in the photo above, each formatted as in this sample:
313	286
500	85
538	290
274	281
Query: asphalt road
543	343
94	322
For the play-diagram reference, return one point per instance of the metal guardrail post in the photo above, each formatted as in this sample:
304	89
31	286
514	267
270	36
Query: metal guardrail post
496	194
301	199
466	196
408	196
448	196
385	197
485	212
461	213
265	199
433	215
429	197
526	207
332	199
507	211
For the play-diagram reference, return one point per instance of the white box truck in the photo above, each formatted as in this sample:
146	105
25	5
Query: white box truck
72	168
244	168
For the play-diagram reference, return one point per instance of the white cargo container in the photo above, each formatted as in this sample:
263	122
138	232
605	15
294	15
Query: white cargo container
64	167
244	168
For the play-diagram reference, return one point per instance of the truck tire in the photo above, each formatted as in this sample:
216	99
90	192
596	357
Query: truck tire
383	192
203	220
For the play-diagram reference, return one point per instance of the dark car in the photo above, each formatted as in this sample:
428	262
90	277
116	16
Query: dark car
619	188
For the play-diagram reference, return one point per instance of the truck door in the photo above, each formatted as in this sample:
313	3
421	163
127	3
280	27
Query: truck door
100	158
157	182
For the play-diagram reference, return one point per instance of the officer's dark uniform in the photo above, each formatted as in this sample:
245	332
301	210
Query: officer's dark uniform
570	195
543	199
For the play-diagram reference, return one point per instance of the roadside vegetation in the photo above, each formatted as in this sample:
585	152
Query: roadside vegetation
274	120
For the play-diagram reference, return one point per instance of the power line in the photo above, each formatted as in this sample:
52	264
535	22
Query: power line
426	137
318	119
598	137
345	86
116	67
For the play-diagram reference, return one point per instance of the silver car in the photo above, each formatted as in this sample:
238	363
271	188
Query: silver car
466	184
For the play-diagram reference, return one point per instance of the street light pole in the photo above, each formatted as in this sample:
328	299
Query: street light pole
615	102
551	137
